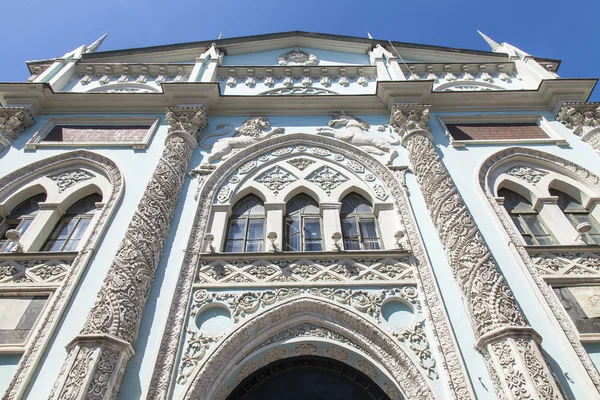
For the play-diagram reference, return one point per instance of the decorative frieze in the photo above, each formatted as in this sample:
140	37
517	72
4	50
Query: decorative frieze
326	178
276	179
113	322
493	311
44	268
13	121
297	57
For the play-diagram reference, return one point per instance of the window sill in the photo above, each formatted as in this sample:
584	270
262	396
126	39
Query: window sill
576	248
280	255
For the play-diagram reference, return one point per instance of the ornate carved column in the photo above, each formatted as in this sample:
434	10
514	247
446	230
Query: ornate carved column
584	119
510	347
13	120
98	357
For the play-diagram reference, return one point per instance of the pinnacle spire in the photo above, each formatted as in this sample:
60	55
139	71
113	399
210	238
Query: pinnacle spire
94	46
494	45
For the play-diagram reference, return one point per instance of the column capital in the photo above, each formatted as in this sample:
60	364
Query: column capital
187	120
581	117
407	119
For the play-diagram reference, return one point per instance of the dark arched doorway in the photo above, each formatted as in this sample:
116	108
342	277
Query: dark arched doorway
308	378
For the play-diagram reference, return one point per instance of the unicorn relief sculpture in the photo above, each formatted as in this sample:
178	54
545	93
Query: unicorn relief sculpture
353	132
252	131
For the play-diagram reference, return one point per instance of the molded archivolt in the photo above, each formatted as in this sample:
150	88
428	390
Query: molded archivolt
230	352
211	181
583	179
112	190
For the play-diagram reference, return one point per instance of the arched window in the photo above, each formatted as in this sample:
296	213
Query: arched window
72	226
20	218
246	226
359	225
577	214
303	225
526	218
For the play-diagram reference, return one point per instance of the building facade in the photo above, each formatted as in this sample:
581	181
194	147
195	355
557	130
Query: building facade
299	215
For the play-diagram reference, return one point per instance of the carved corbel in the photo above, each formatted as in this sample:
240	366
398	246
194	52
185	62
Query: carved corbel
584	119
106	77
410	119
13	121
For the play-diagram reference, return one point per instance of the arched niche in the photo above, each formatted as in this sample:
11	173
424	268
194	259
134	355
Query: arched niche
112	189
559	170
381	348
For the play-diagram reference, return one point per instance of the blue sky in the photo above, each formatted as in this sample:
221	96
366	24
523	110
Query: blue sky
39	29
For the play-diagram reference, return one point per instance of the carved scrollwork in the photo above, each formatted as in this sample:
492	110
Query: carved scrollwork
67	179
13	120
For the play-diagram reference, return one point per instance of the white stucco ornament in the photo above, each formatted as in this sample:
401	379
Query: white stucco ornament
353	132
297	57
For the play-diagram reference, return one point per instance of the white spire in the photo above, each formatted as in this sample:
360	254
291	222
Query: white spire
369	35
94	46
494	45
220	36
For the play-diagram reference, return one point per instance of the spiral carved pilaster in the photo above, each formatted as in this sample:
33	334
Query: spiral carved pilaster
493	310
105	344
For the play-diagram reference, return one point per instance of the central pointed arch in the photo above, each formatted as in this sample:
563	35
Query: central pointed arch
382	348
210	179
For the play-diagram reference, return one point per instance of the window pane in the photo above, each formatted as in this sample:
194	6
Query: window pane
55	245
534	224
71	245
313	245
368	229
254	246
351	244
255	229
349	227
237	229
293	243
545	240
371	244
80	229
234	246
66	229
293	226
312	228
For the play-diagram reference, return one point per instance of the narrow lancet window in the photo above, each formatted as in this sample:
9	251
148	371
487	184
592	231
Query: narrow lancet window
527	220
359	224
246	230
72	226
303	225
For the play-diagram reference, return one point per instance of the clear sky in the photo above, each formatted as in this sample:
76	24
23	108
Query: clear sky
565	30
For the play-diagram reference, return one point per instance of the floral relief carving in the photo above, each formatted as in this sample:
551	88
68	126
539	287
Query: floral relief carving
449	359
13	121
581	117
489	301
541	264
67	179
526	173
420	346
73	268
301	163
305	349
337	353
326	178
297	57
274	355
224	194
367	368
120	303
245	371
276	179
567	263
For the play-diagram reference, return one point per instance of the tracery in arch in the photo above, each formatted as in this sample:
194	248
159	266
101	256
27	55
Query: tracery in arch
65	179
466	86
284	330
538	176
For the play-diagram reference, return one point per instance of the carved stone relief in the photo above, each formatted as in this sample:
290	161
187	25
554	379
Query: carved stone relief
51	271
326	178
584	119
542	265
491	305
251	132
67	179
449	360
275	179
297	57
13	121
119	306
526	173
301	163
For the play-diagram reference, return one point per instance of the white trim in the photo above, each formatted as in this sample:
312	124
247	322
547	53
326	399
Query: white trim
36	141
541	121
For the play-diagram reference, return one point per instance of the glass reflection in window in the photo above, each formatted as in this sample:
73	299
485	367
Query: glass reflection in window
246	226
303	225
359	225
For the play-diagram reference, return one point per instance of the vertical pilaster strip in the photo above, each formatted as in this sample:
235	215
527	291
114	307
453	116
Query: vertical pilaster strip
584	119
13	121
98	357
510	346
